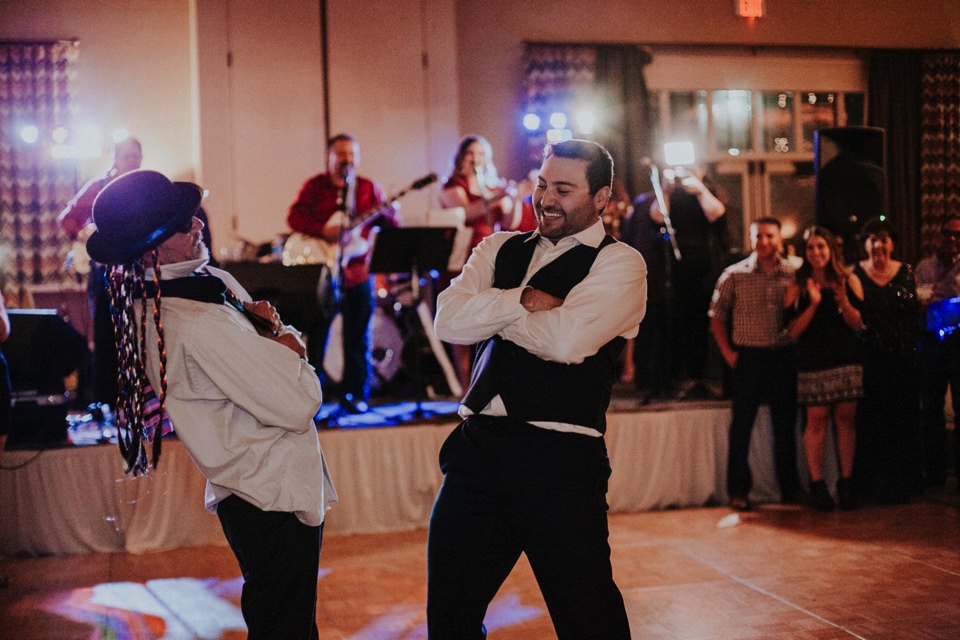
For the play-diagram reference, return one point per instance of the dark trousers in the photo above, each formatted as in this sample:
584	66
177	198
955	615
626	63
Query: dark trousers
512	488
279	558
691	323
939	367
356	306
764	376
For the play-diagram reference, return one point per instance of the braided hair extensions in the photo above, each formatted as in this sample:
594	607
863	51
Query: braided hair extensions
126	283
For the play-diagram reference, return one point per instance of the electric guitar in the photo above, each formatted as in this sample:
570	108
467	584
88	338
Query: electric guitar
303	249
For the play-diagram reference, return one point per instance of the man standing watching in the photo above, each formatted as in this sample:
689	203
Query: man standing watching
938	279
127	156
749	303
238	390
526	471
332	207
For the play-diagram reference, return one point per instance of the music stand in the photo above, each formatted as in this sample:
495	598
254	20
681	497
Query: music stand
412	250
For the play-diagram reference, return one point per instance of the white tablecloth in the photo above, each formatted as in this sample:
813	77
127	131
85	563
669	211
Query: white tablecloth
78	500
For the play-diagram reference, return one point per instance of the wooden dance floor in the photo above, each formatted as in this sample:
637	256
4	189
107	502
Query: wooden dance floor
92	554
783	574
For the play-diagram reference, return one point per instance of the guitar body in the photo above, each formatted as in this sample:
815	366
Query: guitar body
303	249
355	239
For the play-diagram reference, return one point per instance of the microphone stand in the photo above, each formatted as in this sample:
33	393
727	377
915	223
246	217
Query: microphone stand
658	190
347	194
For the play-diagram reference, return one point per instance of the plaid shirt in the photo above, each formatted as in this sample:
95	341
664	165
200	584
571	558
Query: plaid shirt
755	300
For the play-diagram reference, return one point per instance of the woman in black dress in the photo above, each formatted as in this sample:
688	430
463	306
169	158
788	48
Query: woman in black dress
888	464
823	308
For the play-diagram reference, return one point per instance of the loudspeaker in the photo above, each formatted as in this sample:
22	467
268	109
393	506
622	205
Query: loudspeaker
293	290
41	351
850	180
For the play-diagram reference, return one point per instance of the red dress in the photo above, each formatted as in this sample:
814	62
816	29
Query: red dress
481	226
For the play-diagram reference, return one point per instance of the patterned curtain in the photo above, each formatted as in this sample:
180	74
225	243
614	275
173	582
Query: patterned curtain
940	147
558	78
36	88
607	78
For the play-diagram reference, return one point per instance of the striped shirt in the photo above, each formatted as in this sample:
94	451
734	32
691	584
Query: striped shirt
754	300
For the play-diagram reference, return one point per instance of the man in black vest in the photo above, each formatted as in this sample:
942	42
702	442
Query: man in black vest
526	471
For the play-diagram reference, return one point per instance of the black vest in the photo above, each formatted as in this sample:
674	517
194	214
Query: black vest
532	389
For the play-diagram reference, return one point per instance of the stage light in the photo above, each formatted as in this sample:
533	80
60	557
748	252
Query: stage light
85	144
120	134
531	122
88	135
60	134
558	120
558	135
30	134
586	120
64	151
678	153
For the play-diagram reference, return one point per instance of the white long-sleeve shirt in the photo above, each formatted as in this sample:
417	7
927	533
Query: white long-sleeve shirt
243	405
611	301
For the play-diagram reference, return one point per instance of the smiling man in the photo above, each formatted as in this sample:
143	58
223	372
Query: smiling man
526	471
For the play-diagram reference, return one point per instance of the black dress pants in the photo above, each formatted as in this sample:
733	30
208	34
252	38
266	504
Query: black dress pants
512	488
764	375
279	558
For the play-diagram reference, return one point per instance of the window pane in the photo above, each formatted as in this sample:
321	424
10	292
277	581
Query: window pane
818	111
791	197
688	118
731	121
776	121
732	186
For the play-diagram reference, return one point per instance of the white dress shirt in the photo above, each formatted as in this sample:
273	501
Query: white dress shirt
243	405
611	301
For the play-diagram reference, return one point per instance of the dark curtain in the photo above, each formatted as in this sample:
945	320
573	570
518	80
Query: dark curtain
894	79
940	144
629	138
36	87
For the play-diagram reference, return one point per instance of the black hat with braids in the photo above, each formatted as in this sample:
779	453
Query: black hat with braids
134	215
138	211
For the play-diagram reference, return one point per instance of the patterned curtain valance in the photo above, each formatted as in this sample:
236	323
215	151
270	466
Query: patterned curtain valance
36	88
557	75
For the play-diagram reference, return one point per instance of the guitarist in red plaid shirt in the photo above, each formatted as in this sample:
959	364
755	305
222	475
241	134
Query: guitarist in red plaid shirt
341	208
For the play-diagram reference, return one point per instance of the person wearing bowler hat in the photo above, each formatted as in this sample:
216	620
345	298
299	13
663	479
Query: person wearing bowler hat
235	384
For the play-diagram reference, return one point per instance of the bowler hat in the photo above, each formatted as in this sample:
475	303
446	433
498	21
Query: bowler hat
137	212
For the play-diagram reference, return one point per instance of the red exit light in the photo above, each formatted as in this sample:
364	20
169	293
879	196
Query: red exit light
750	8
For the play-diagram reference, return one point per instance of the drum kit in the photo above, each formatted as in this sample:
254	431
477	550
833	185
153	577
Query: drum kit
394	298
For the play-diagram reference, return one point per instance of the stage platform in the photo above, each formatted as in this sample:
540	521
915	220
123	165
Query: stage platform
77	499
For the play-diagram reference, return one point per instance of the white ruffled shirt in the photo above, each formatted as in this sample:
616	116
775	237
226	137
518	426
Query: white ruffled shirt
242	405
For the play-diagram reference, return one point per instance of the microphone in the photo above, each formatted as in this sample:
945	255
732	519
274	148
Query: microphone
348	193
